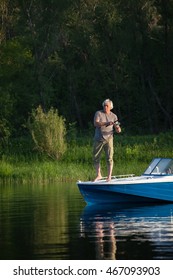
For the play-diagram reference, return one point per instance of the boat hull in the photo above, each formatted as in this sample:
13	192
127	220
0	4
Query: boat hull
155	184
131	192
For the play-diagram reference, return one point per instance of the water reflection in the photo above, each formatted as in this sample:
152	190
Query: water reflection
129	231
38	222
52	222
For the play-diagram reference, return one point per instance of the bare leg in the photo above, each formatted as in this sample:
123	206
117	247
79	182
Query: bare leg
110	167
98	172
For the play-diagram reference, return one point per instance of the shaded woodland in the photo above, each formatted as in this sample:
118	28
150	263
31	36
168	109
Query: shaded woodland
72	54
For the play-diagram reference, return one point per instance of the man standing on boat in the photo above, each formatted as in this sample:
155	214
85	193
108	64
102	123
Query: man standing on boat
104	121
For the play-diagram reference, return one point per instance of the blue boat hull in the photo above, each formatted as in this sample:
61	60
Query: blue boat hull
156	184
118	193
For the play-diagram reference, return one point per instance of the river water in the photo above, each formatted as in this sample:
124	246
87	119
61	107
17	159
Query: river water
53	222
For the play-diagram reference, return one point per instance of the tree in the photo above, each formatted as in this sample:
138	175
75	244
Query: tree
71	55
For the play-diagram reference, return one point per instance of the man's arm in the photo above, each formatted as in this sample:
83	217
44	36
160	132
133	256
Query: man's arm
117	127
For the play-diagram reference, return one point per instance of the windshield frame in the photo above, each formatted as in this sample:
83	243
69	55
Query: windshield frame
160	166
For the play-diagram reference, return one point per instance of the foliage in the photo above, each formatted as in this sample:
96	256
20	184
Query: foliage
48	132
71	55
6	169
4	132
132	155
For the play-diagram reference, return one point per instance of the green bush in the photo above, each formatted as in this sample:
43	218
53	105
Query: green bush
48	132
6	169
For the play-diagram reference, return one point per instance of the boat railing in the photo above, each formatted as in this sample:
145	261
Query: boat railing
118	176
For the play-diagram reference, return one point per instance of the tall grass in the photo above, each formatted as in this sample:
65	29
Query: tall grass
132	154
48	132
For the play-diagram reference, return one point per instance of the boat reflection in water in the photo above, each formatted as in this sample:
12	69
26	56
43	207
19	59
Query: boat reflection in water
129	231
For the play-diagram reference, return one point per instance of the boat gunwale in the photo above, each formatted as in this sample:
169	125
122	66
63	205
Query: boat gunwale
132	179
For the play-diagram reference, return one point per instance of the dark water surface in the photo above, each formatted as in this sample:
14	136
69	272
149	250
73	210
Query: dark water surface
53	222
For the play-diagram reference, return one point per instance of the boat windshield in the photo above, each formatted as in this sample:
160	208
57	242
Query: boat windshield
160	166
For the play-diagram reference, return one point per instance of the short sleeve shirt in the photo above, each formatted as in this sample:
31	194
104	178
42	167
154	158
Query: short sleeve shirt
104	132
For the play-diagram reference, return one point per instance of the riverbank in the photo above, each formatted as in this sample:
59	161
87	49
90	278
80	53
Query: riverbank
21	163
